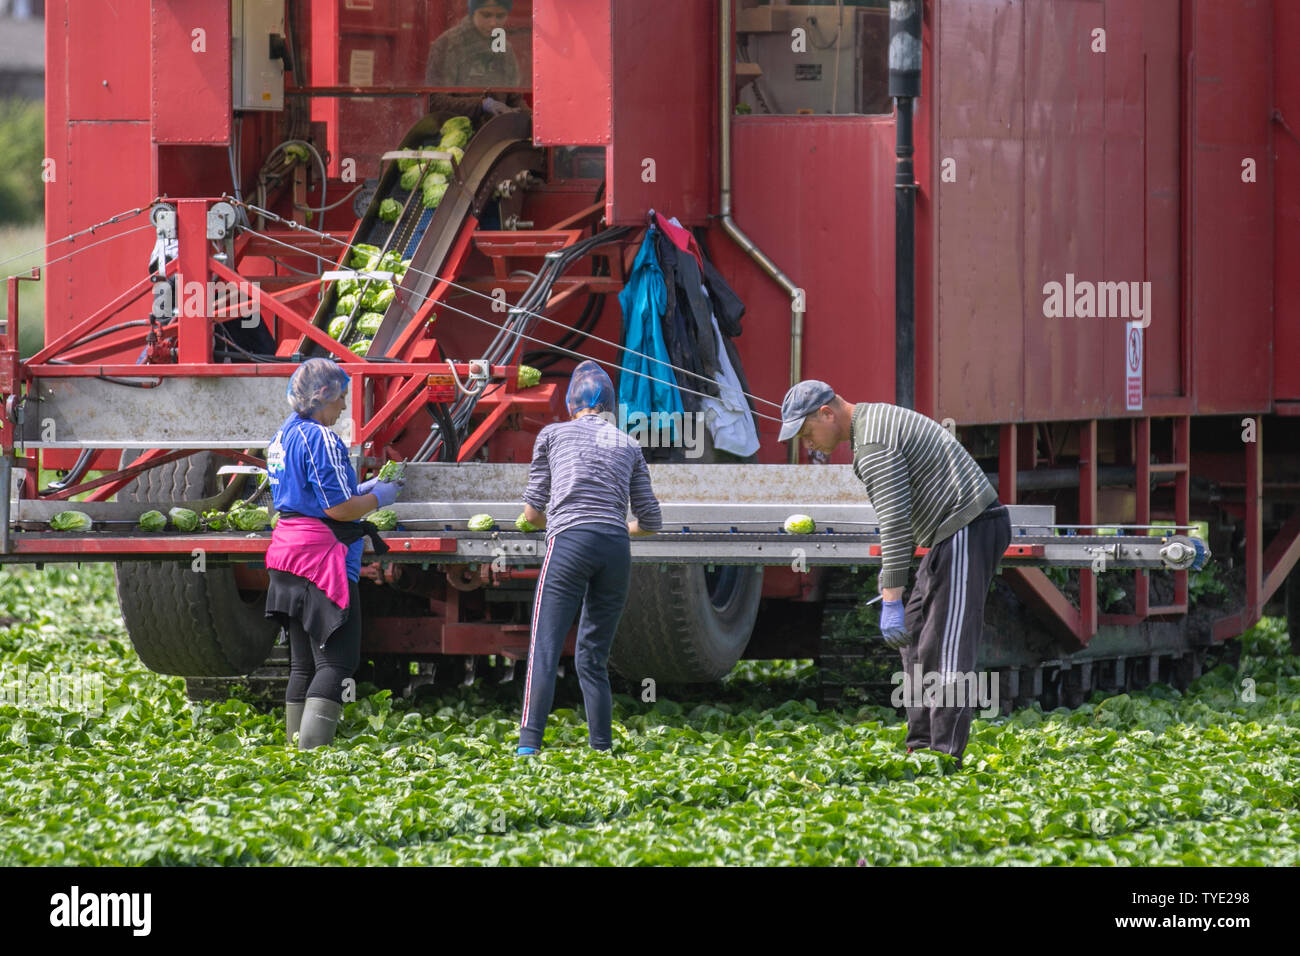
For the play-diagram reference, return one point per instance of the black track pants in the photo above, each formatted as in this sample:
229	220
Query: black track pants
587	567
945	615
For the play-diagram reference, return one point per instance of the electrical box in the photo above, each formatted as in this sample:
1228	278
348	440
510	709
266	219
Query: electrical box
258	54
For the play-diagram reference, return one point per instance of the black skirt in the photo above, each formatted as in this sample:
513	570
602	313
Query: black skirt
291	597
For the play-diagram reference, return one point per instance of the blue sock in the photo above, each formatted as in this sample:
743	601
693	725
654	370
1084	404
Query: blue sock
525	751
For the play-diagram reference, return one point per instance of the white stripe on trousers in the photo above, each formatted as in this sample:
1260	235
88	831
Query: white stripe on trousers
958	567
532	641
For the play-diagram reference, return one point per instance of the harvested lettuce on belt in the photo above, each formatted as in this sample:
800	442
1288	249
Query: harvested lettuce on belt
360	347
523	524
152	521
378	297
800	524
456	123
384	519
390	210
363	256
70	521
410	176
249	519
432	193
338	325
215	521
184	519
346	304
443	167
482	522
457	139
368	323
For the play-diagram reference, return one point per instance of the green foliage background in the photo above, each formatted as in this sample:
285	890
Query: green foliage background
22	150
752	772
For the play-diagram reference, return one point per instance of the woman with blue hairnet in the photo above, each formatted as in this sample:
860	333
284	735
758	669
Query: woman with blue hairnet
314	560
583	474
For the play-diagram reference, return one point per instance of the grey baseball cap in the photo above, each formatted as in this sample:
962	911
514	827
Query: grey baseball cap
800	402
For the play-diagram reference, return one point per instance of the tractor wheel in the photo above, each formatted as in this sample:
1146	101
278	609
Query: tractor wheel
684	623
185	622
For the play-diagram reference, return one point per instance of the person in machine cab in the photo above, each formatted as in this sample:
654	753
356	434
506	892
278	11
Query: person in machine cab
476	53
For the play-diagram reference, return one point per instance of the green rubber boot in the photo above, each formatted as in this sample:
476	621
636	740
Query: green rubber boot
292	720
320	718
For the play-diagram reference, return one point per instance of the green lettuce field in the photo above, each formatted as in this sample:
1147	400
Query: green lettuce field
749	773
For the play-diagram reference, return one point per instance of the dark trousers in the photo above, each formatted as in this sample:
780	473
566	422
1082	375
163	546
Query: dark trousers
586	567
945	615
316	671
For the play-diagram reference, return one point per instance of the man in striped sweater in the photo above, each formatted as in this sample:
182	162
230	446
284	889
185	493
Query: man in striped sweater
927	491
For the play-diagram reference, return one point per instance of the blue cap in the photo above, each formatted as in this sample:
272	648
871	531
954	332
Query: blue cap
800	402
589	387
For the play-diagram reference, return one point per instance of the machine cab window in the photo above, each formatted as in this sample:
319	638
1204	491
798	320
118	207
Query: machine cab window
812	58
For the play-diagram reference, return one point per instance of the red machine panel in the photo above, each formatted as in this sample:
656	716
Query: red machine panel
110	83
189	71
1286	192
785	173
665	103
1232	221
980	270
572	74
1065	163
1166	339
96	191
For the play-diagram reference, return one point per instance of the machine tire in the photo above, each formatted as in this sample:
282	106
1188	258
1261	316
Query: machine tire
181	622
683	624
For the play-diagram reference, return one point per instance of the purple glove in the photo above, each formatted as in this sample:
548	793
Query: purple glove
891	625
494	107
366	487
385	492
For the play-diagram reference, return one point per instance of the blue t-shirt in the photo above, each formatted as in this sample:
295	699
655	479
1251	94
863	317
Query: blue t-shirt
309	469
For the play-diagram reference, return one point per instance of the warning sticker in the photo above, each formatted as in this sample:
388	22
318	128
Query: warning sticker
1133	367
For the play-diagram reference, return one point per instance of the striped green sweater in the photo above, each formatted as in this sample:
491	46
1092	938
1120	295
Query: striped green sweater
923	485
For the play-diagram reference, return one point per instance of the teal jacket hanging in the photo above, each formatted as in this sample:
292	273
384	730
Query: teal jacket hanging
646	383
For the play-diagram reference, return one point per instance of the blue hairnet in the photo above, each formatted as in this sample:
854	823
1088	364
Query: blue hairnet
317	382
589	387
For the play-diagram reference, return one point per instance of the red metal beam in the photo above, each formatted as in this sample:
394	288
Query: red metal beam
195	336
105	546
1280	558
296	320
90	324
1236	624
451	266
1142	495
1087	515
510	640
404	394
118	479
1042	597
483	431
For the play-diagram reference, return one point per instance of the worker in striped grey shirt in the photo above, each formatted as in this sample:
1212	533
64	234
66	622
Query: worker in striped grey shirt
584	472
927	491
